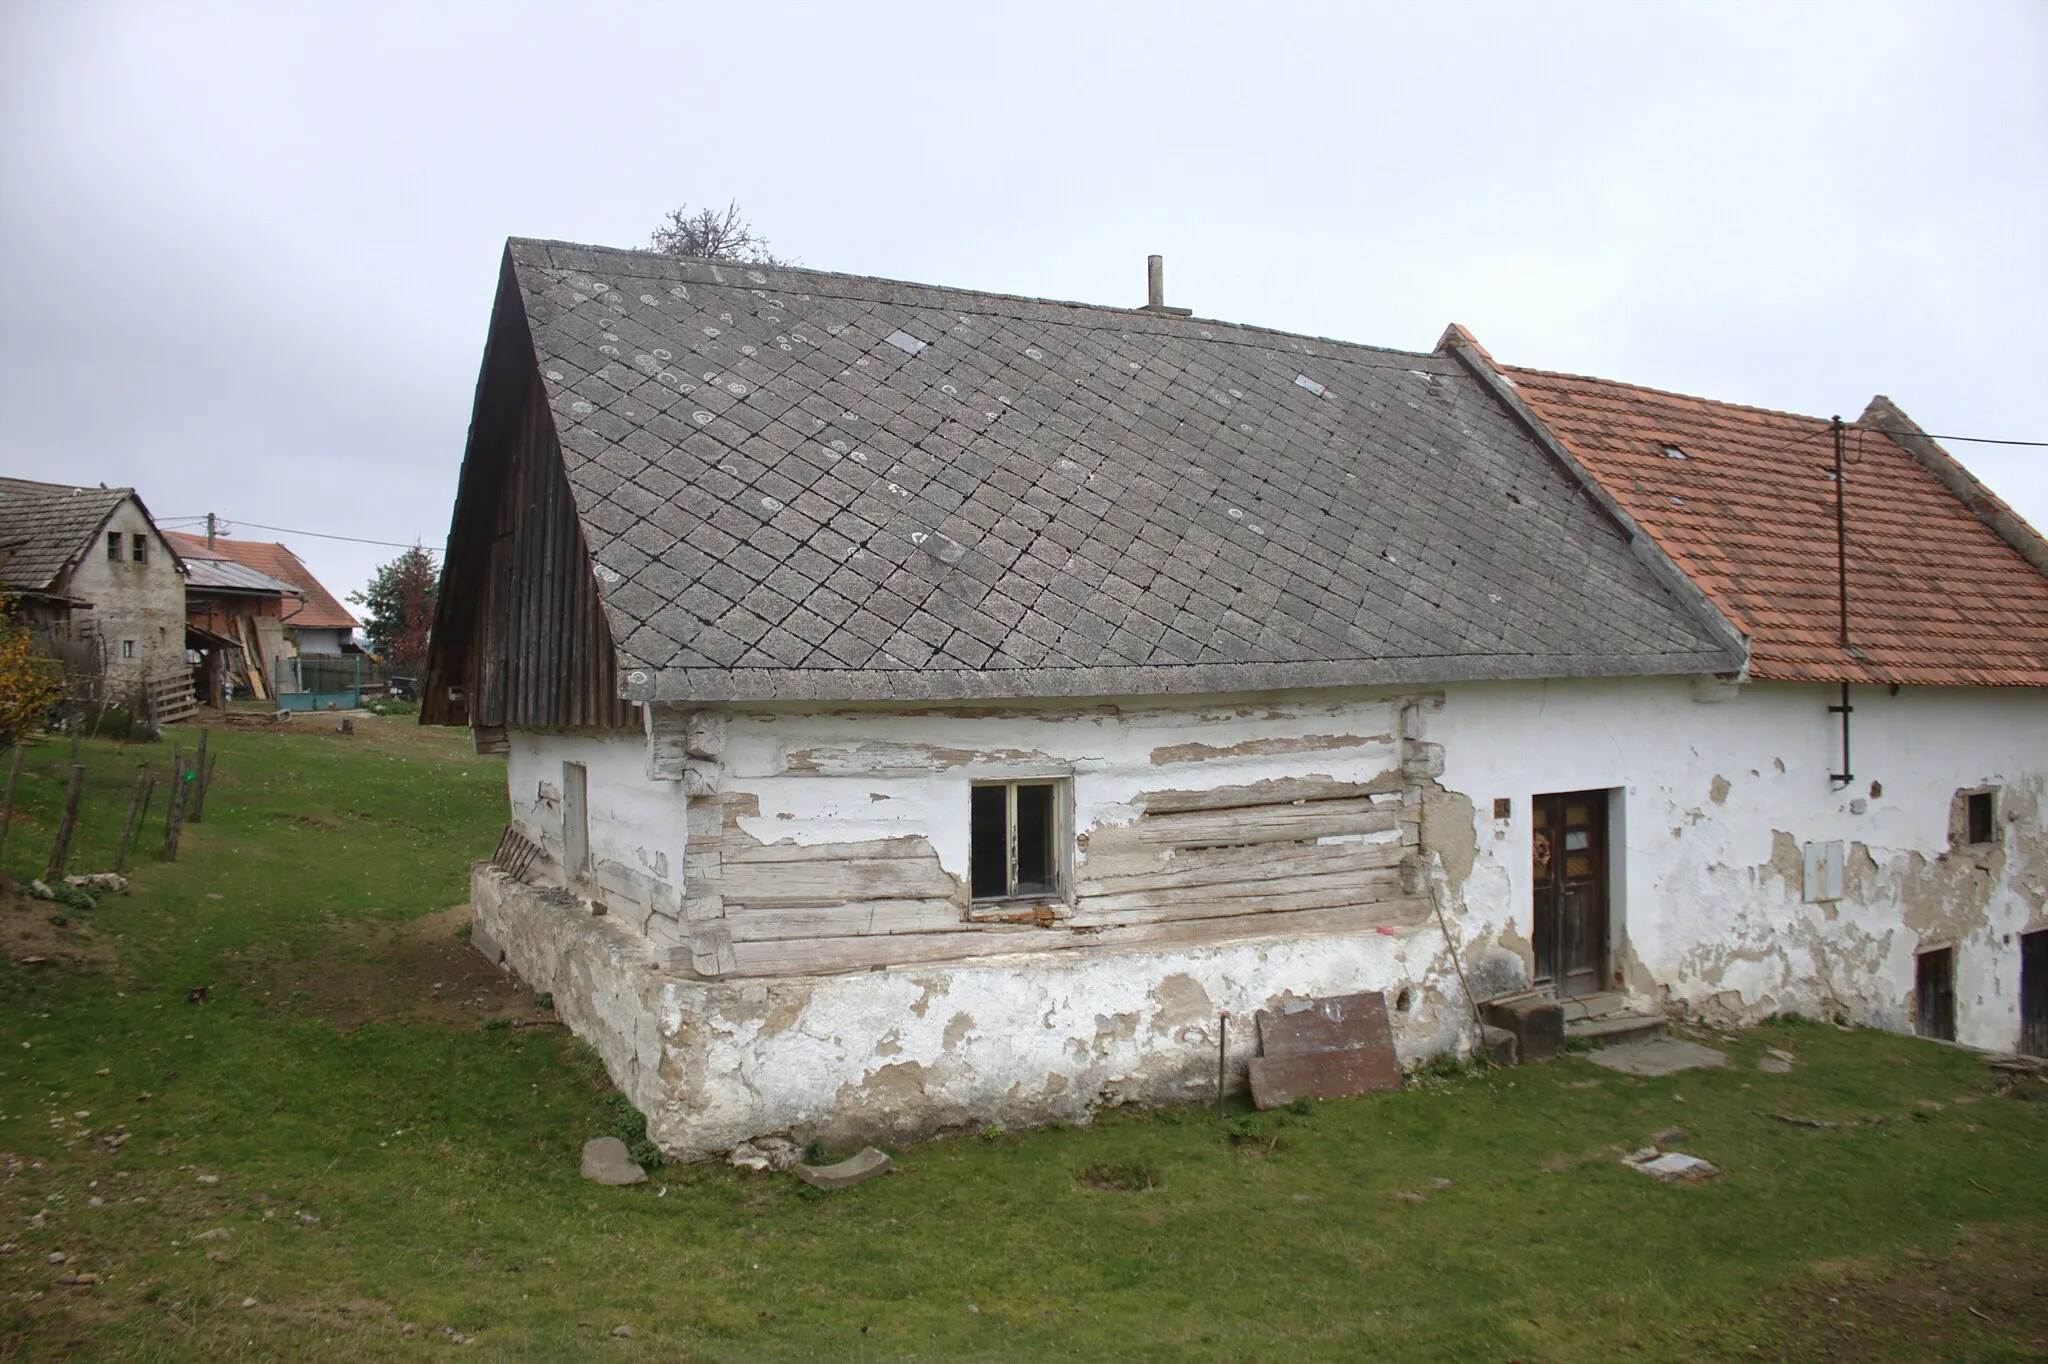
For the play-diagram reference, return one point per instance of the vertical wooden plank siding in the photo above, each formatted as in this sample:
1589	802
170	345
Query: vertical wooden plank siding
520	637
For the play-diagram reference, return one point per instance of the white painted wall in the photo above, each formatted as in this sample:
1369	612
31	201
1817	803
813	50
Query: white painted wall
1711	912
637	826
1708	913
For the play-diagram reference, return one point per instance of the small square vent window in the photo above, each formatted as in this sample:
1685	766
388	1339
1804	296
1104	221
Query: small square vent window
1673	452
1303	381
904	342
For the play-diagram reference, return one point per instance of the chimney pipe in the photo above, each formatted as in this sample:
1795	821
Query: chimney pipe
1155	281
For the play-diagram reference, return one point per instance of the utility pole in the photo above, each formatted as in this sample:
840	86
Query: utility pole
209	515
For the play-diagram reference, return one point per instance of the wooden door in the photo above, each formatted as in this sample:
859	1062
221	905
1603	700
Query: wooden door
1569	854
2034	993
1934	994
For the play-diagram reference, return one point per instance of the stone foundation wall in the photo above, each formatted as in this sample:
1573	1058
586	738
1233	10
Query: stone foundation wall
893	1055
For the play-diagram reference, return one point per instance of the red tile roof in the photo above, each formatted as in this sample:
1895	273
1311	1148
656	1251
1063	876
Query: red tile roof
321	610
1936	597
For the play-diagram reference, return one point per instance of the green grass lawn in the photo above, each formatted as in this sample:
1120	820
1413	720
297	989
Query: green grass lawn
332	1158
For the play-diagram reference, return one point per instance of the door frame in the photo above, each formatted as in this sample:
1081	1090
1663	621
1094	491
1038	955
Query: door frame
1546	813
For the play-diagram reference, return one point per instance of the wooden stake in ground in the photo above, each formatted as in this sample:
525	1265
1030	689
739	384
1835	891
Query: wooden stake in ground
7	801
200	769
135	808
65	824
174	825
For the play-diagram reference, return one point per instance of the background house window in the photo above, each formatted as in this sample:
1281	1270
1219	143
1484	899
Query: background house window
114	546
127	648
1014	845
1978	814
138	548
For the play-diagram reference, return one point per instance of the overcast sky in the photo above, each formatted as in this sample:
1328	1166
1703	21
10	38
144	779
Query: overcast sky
249	250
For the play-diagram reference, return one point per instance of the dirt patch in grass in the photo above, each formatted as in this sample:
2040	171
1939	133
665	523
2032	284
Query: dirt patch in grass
422	970
1120	1176
1985	1296
31	942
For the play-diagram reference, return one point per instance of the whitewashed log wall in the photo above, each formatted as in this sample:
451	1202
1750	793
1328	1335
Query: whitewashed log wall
820	843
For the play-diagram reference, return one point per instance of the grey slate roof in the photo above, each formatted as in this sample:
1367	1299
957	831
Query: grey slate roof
46	526
815	486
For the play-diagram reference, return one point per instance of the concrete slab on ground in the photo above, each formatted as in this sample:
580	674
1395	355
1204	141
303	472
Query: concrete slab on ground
1657	1056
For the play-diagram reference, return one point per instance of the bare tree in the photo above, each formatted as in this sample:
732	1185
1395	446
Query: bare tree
712	235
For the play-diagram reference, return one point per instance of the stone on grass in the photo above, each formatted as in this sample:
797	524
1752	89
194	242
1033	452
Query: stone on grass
217	1234
606	1160
1675	1165
623	1332
763	1154
1668	1136
846	1173
1771	1065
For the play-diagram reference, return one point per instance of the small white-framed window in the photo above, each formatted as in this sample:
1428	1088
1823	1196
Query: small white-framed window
127	648
114	546
138	548
1017	844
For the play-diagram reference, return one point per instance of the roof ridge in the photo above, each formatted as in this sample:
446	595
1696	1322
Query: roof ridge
1674	393
69	487
1110	308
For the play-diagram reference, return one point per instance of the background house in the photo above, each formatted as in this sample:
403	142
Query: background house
316	623
100	584
303	637
954	701
234	615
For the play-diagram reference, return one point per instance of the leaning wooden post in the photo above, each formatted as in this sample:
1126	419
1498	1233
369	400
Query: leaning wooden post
199	782
65	824
174	822
7	800
135	809
177	766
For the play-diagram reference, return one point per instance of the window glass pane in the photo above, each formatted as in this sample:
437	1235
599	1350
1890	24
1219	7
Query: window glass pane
988	844
114	545
141	547
1034	840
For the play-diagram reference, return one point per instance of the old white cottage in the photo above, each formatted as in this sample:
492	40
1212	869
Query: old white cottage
928	707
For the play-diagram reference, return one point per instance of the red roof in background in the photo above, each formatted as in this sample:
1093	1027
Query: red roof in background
321	610
1936	597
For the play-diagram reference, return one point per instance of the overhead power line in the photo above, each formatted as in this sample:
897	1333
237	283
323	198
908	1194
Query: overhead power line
316	534
1974	440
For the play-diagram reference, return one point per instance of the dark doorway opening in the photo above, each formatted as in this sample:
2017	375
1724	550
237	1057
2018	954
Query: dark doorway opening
2034	993
1569	848
1934	994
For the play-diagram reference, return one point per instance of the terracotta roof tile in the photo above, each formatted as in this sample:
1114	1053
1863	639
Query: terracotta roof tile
321	610
1936	597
